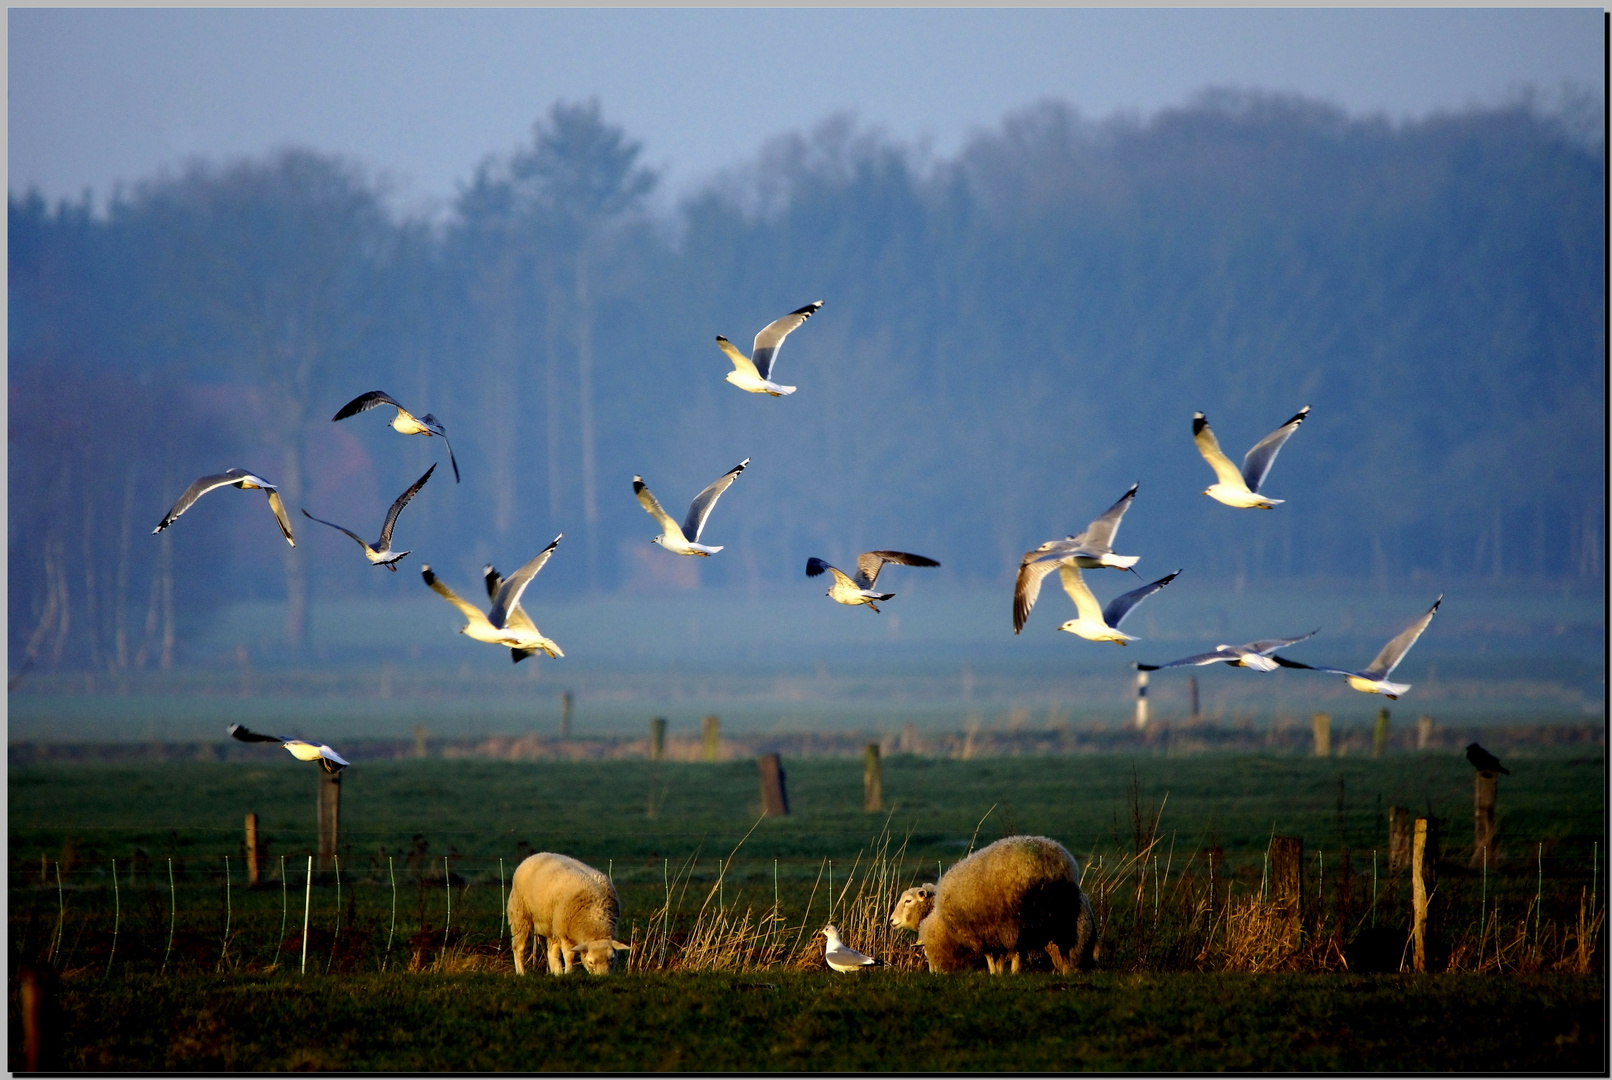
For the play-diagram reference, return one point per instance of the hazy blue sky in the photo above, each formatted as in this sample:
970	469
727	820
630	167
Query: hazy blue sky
101	96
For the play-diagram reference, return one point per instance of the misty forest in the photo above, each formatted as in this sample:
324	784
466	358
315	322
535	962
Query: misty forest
1009	339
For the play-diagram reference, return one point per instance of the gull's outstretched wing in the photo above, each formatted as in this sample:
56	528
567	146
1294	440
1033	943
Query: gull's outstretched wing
1285	662
329	755
1075	585
741	362
1033	568
1258	461
435	427
651	504
1121	606
363	402
1393	652
841	578
700	508
1100	533
359	540
451	459
493	581
816	566
278	508
397	508
1270	645
765	350
509	593
1219	656
471	614
1209	447
869	563
244	734
196	490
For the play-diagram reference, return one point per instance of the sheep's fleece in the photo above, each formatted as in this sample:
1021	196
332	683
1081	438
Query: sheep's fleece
570	905
1010	903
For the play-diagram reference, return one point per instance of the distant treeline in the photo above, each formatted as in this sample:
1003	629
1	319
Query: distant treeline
1010	339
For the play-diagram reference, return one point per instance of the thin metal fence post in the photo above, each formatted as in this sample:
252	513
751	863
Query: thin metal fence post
392	874
173	915
447	881
228	910
336	934
284	906
117	917
307	902
502	906
61	913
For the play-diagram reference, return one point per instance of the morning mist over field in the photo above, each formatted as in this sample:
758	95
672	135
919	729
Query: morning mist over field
1018	324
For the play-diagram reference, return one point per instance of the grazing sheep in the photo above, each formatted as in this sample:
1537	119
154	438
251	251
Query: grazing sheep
1017	897
570	905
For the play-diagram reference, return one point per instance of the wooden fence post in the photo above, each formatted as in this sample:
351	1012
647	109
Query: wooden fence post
872	779
1399	841
1424	731
251	850
909	738
1287	885
1141	700
1192	688
1379	734
711	735
1485	849
566	701
1321	724
329	817
419	740
657	738
774	795
1419	894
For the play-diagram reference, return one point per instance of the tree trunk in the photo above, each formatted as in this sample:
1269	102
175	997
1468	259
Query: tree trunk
590	508
296	576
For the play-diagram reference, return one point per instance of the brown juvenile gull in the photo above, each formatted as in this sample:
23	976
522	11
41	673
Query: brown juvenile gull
1088	550
859	590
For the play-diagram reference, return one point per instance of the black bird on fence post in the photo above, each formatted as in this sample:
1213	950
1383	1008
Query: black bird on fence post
1483	761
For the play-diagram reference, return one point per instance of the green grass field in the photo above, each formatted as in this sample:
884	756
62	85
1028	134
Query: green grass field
159	975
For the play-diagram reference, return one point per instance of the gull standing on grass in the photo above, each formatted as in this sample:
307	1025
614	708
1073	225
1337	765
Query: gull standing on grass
859	590
327	758
754	372
1256	655
684	539
404	422
1241	489
1096	624
232	478
842	957
1374	680
506	623
382	554
1088	550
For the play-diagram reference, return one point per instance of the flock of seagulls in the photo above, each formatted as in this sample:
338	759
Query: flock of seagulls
507	624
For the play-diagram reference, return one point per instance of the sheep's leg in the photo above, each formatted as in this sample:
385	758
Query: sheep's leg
519	935
1015	962
556	953
990	964
1059	962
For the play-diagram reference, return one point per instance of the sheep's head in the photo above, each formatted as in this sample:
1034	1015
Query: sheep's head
914	904
598	956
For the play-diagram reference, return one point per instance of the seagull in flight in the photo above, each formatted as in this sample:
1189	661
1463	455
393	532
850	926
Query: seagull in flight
1102	624
1256	655
859	590
754	372
1241	489
382	554
404	422
684	539
1374	679
842	957
506	623
231	478
1088	550
327	758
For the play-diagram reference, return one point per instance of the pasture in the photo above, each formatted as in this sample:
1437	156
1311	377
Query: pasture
405	963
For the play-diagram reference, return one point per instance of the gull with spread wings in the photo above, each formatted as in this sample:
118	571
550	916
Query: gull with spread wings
327	758
1236	488
1087	550
1374	679
232	478
754	372
684	539
405	422
1256	655
506	623
382	554
859	590
1102	624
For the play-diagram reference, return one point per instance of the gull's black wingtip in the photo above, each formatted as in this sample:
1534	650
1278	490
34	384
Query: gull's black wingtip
425	572
1198	423
815	566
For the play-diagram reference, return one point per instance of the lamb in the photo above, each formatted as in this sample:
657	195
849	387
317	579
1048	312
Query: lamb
570	905
1009	901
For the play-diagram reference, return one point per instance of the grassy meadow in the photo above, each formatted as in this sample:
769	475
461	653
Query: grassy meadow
406	964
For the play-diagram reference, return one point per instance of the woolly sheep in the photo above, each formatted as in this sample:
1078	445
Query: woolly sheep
1014	898
570	905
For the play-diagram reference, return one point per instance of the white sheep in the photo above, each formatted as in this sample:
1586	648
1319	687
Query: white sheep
570	905
1016	897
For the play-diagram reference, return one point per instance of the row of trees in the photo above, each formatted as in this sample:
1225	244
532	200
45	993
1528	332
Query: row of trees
1010	339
